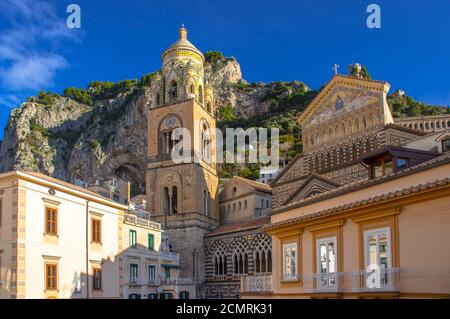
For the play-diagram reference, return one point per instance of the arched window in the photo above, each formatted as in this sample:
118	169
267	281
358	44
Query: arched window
192	89
206	202
206	150
239	206
262	249
158	99
166	201
208	107
245	204
200	94
220	259
234	207
170	200
165	139
173	91
240	257
174	200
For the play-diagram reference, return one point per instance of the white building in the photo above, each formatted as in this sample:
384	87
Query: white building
59	240
267	174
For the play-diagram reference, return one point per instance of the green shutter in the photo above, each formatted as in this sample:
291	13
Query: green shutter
151	241
133	241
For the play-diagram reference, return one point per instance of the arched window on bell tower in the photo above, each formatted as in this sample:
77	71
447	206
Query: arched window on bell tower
200	94
166	141
166	201
205	140
174	200
207	202
173	91
170	200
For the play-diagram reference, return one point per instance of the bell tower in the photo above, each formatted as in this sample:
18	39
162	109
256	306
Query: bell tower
183	196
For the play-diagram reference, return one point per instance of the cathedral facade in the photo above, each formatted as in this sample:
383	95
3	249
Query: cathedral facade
349	119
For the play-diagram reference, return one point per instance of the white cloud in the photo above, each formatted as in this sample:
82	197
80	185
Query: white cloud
26	58
33	72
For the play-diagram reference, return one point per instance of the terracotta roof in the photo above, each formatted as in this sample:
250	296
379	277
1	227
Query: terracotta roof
247	224
258	185
379	198
350	187
66	184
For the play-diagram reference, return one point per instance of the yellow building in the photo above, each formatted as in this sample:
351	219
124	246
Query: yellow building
375	226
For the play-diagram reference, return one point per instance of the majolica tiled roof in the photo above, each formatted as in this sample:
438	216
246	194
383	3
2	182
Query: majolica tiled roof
380	198
350	187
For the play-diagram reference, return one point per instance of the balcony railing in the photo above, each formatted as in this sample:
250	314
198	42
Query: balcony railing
170	256
387	280
256	283
134	220
171	281
324	282
135	281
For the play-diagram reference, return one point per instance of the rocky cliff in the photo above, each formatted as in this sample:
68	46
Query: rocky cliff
101	132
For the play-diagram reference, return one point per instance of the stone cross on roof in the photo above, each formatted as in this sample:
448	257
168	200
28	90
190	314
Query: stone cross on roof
335	68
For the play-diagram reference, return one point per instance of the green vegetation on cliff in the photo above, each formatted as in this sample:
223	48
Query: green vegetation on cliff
79	95
404	106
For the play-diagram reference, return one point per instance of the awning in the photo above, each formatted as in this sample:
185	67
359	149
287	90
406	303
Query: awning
170	265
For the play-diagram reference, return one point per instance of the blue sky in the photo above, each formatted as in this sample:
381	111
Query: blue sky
272	40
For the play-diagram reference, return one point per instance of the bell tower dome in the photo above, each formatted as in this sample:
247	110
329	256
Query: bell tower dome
182	74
